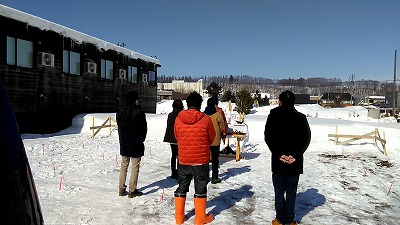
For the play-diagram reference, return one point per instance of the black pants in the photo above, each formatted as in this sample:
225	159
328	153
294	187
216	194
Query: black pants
187	173
214	160
284	207
174	157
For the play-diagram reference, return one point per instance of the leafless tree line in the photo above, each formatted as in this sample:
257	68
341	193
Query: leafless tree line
315	86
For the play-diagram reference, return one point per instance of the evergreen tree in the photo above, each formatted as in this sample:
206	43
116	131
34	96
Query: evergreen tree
214	90
228	95
257	96
264	101
244	101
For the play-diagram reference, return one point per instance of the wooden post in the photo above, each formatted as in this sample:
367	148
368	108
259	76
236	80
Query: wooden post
230	112
93	126
384	146
376	134
237	149
109	119
336	133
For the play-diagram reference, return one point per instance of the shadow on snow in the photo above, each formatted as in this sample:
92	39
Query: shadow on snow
229	198
307	201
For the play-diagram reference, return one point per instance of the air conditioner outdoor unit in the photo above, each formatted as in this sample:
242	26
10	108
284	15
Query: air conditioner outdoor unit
90	67
122	74
144	78
45	59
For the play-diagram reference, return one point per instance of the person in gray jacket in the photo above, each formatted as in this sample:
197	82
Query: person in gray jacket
132	131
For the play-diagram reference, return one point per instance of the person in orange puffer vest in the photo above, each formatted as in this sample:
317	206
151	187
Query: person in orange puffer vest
194	132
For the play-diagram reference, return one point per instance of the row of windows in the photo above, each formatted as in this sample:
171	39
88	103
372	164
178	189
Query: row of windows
20	53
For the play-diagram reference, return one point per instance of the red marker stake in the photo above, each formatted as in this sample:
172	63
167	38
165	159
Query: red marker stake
61	180
162	195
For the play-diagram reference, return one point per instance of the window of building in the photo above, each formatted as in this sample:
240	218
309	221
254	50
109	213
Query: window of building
107	69
152	78
10	51
19	52
71	62
132	75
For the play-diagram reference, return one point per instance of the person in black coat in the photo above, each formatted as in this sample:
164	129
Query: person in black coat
132	131
169	136
288	135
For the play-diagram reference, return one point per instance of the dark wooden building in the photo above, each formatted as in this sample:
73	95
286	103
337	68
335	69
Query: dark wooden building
302	99
52	73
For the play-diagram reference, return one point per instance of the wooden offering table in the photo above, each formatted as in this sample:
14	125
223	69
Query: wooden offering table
238	137
240	132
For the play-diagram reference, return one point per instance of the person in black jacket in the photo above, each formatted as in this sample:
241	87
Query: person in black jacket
169	136
132	131
288	135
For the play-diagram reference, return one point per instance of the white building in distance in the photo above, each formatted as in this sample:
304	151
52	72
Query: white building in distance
183	87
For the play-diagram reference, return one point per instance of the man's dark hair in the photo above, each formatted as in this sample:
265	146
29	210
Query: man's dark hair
287	98
177	104
194	100
212	101
131	97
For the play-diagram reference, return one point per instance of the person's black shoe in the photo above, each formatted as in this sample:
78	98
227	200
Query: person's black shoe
135	194
215	180
227	150
230	151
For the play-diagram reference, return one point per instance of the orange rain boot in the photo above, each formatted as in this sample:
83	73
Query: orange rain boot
179	209
276	222
200	210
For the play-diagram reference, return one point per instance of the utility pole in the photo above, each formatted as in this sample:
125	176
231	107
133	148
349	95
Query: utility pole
352	88
351	78
394	95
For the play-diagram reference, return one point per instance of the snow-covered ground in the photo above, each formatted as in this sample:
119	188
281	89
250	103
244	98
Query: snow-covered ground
77	176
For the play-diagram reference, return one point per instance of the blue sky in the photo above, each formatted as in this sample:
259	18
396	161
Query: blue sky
273	39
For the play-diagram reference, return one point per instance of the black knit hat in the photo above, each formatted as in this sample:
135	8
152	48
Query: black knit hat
287	98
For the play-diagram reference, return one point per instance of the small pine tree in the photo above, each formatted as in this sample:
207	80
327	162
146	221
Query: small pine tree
257	96
244	101
228	95
214	90
264	101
